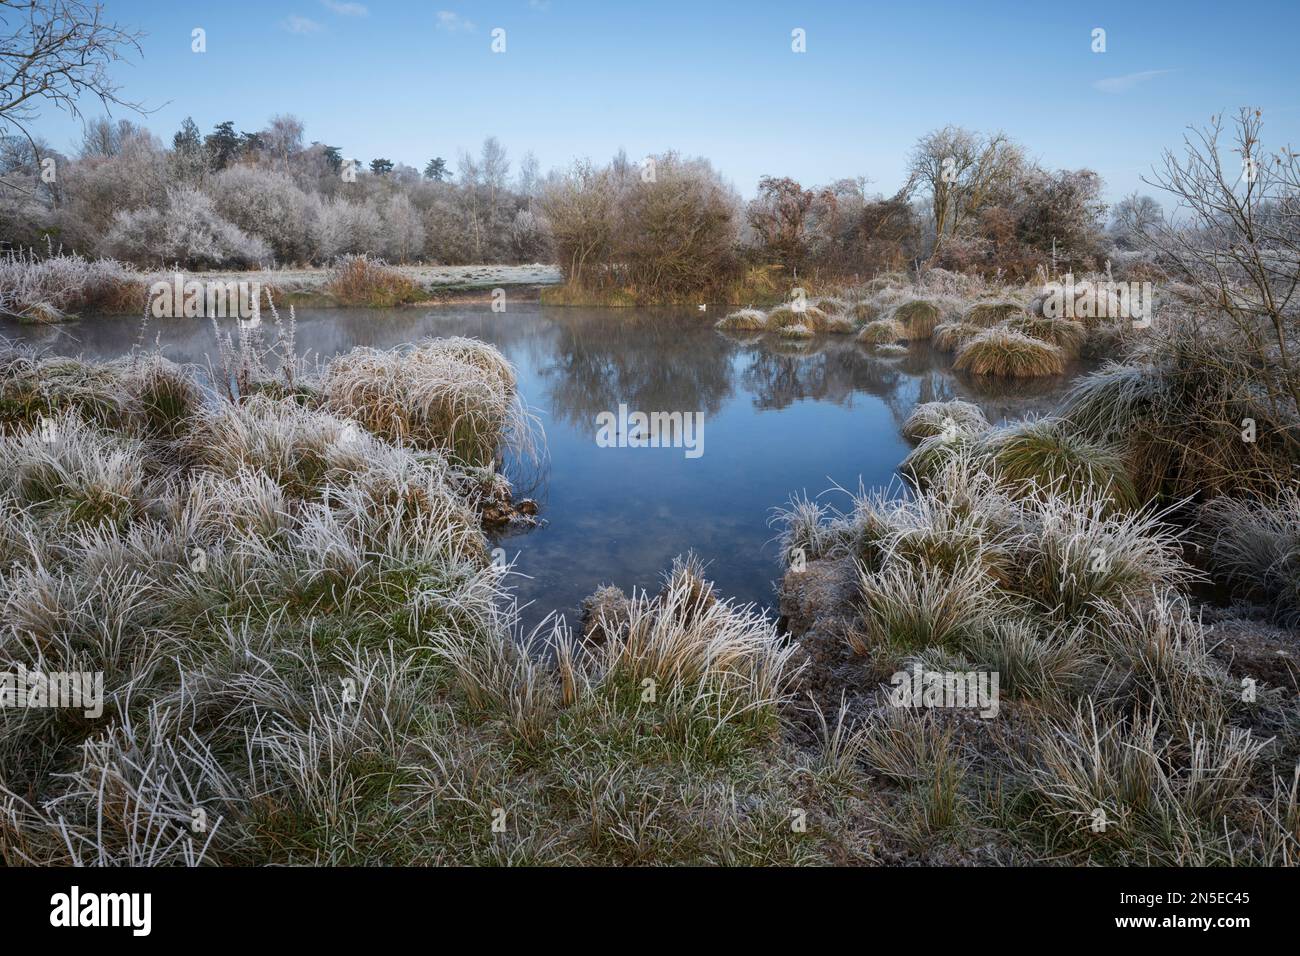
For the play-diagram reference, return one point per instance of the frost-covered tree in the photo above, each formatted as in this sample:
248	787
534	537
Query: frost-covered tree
186	229
269	205
346	227
403	230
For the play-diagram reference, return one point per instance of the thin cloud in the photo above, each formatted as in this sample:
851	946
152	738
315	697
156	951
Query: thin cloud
453	22
296	24
540	4
346	9
1121	84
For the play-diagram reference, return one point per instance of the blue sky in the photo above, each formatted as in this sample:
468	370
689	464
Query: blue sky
409	80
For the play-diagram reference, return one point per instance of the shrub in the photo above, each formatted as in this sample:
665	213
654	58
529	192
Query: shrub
581	206
346	228
268	205
361	280
1007	354
679	231
403	231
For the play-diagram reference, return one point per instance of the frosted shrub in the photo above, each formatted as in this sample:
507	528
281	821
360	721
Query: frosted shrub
187	230
347	228
267	205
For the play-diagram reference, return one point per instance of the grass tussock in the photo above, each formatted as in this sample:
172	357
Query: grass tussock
454	395
785	316
1045	455
361	280
881	332
1121	738
918	318
1006	354
866	311
943	418
305	647
1255	545
950	336
988	314
1187	424
744	320
1066	334
59	287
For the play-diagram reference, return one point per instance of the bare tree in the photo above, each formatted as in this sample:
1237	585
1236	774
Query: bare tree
1134	217
580	205
963	171
1235	236
778	215
57	51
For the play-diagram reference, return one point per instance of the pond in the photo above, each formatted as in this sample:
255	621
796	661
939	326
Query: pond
779	418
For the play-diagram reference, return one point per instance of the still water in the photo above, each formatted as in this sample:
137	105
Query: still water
778	418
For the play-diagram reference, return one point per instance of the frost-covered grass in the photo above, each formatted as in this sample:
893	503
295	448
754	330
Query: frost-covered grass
57	287
305	646
1003	353
359	280
1123	735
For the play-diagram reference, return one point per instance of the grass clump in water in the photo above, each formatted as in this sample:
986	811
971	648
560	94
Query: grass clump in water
1007	354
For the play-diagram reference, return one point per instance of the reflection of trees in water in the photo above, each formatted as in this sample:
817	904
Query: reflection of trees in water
653	362
780	373
827	370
